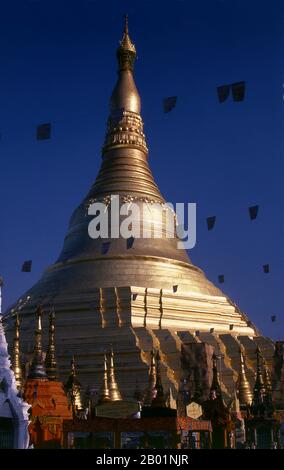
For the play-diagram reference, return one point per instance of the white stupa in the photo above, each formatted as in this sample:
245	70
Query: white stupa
14	419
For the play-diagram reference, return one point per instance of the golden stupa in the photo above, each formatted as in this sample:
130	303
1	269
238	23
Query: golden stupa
139	298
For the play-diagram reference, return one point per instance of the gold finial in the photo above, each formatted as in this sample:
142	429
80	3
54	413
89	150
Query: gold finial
125	24
50	361
16	358
37	370
113	387
126	53
73	389
104	394
17	326
125	125
244	391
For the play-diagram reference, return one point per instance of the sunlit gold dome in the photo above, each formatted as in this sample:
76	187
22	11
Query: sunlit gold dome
125	294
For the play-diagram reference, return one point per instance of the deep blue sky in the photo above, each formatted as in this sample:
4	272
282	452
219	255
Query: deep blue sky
57	62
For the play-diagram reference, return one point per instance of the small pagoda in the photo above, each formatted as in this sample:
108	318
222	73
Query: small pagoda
44	392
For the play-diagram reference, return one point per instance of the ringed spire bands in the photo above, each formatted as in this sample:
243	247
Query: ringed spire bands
124	168
125	125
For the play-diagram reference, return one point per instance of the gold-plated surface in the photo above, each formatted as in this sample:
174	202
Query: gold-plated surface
50	360
114	392
16	357
104	393
125	94
244	390
126	43
126	296
152	262
73	389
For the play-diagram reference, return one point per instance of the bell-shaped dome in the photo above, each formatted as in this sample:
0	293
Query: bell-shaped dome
112	291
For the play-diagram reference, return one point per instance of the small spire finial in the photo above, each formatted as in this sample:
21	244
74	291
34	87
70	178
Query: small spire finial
73	389
50	361
126	23
17	326
262	404
37	370
126	53
16	361
113	386
104	394
244	391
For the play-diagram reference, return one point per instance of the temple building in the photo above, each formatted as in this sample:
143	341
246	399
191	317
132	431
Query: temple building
41	389
140	295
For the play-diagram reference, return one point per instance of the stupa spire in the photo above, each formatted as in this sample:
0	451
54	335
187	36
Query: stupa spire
126	24
244	391
73	389
125	169
50	361
125	95
90	267
16	356
113	387
104	394
37	370
126	53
